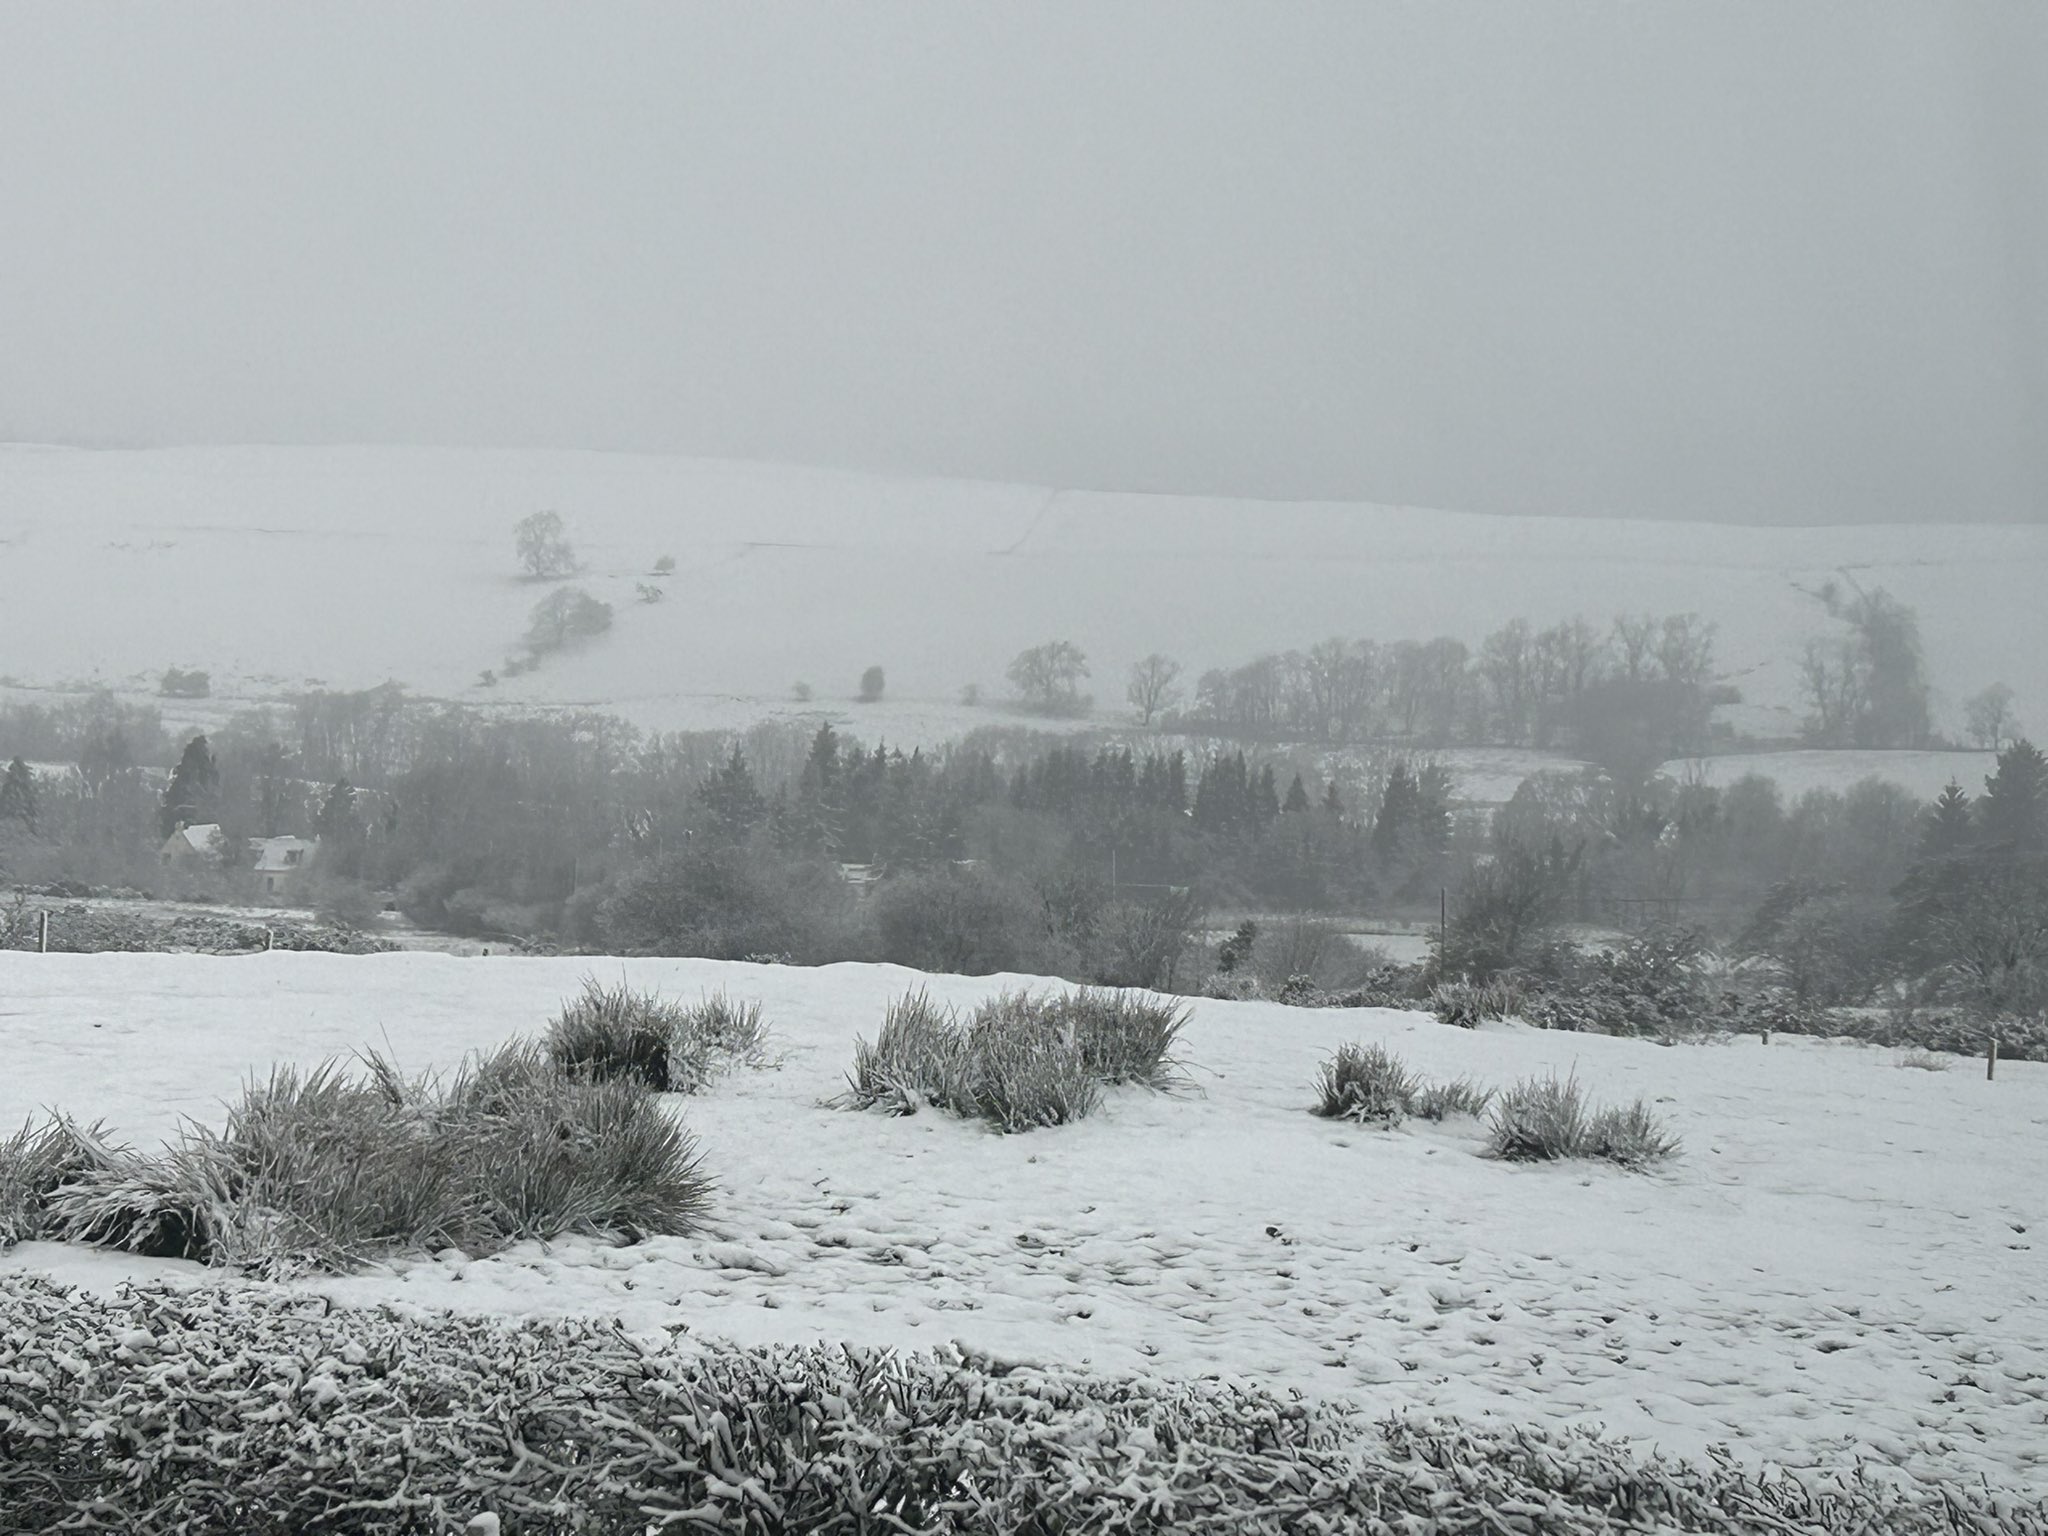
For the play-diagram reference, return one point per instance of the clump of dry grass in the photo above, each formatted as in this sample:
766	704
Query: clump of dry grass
327	1168
1369	1084
1019	1061
1546	1118
614	1032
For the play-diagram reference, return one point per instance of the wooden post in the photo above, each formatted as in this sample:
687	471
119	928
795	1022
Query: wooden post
1991	1061
43	932
1443	924
268	935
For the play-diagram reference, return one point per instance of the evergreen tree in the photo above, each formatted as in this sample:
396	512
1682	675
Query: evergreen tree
192	798
2014	810
1297	798
1400	805
336	822
1333	803
731	799
1947	830
18	795
1265	797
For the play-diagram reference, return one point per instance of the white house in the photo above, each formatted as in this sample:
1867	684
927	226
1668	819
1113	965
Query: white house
191	845
279	860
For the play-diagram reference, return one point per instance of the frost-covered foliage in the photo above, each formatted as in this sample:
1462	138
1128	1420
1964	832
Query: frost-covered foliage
1019	1061
1656	984
1544	1118
78	929
158	1411
1470	1004
325	1169
1371	1085
616	1032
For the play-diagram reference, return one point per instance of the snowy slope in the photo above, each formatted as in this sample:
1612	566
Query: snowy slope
273	567
1846	1261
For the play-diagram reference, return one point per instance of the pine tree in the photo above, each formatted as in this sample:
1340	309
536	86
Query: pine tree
18	795
2014	810
1265	797
1333	803
731	799
336	822
1947	830
1394	827
1297	798
192	798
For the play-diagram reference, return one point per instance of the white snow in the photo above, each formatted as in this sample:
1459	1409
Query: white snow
1845	1262
275	567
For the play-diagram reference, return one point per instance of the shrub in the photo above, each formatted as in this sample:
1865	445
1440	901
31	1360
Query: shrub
1125	1036
1460	1096
968	922
1018	1061
36	1162
872	682
1371	1085
389	1421
324	1169
1544	1118
614	1032
729	902
1468	1005
1366	1083
1539	1119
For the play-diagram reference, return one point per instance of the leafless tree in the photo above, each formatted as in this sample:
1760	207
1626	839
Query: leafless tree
544	548
1989	718
1047	677
1154	687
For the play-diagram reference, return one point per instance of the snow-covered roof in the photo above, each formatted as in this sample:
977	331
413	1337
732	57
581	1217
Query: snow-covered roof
200	839
274	854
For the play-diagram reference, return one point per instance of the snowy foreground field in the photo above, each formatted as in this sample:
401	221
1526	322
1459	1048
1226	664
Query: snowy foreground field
1847	1262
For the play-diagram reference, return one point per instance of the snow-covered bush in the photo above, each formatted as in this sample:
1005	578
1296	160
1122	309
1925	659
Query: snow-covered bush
1545	1118
325	1169
154	1411
615	1032
1467	1005
1371	1085
1019	1061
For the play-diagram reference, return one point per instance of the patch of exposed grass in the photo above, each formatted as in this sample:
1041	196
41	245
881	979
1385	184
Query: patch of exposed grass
615	1032
1541	1119
1470	1004
40	1159
1125	1036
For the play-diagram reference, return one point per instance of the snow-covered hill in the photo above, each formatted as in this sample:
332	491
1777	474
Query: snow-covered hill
1845	1263
276	567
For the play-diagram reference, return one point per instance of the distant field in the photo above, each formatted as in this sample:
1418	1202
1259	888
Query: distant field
276	569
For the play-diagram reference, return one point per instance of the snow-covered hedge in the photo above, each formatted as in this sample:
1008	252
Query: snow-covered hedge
83	930
255	1411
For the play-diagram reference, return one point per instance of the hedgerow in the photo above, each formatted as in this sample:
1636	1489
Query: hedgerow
155	1411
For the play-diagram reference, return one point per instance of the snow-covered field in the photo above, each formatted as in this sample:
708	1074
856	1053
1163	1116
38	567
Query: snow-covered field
1846	1262
277	567
1926	774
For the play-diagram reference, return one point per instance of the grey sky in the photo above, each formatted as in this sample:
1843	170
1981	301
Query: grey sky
1674	257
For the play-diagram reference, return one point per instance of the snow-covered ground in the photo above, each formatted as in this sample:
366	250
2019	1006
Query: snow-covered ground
1846	1262
273	568
1923	773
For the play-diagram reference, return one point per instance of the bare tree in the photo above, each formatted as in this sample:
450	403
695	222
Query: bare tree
1154	687
1047	677
1989	718
544	548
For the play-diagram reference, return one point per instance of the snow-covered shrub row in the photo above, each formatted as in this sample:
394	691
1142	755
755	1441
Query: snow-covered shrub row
1467	1005
156	1411
1369	1084
83	930
1543	1118
325	1169
1019	1061
616	1032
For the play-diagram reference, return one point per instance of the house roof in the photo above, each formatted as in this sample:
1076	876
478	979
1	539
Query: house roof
273	853
199	839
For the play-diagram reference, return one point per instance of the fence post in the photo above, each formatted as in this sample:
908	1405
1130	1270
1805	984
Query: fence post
43	932
268	935
1991	1061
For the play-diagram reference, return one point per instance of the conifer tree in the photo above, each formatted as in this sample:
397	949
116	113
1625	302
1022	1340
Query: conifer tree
2014	809
1297	797
192	798
1948	829
18	795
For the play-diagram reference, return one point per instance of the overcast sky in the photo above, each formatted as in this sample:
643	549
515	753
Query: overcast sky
1752	261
